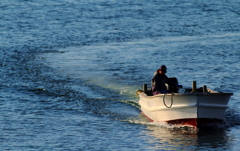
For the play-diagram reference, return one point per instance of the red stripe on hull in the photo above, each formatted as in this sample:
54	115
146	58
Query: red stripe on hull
195	122
189	122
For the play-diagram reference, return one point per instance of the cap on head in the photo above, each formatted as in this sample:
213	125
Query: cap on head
163	68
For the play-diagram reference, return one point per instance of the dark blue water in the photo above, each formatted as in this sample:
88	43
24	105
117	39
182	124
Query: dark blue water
70	70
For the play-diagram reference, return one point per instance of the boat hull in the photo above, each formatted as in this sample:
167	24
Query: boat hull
191	109
192	122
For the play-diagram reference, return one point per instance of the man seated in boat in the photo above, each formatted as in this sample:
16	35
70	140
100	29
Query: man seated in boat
160	80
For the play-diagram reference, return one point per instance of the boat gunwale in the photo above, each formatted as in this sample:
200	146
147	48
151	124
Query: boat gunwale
185	94
185	106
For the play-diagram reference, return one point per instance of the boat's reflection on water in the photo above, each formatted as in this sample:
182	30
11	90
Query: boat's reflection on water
166	137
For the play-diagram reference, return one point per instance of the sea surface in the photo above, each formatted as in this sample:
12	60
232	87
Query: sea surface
70	70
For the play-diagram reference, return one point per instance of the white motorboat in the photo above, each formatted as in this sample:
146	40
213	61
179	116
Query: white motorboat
194	107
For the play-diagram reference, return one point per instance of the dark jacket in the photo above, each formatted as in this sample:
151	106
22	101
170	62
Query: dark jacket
158	82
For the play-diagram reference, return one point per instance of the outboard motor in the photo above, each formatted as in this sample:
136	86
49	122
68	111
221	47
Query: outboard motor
173	88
